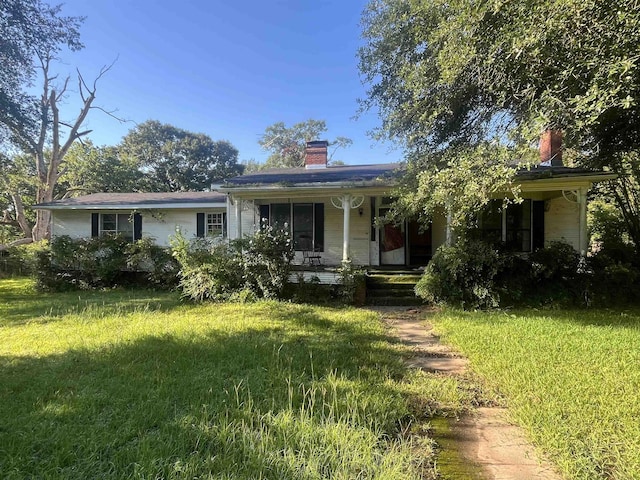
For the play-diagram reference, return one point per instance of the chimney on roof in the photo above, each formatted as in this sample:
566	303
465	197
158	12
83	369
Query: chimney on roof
316	154
551	148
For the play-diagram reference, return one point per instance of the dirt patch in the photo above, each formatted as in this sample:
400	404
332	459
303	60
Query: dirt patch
491	447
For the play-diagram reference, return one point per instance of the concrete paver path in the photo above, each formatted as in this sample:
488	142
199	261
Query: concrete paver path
484	438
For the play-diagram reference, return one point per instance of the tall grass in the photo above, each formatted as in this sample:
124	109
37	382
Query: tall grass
137	385
571	378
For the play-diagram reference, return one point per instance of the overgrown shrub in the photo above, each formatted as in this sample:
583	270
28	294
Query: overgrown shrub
22	259
351	288
255	267
104	262
463	275
267	261
209	269
474	274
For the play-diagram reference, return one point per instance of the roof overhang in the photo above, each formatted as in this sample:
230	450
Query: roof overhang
306	189
566	182
135	206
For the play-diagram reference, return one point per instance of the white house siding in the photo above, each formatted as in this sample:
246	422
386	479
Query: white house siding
160	225
74	223
438	231
562	222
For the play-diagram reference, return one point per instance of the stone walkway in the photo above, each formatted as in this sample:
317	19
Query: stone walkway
485	438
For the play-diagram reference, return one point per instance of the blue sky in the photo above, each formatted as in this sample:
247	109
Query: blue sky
227	68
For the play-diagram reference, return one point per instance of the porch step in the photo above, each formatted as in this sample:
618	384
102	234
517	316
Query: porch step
392	288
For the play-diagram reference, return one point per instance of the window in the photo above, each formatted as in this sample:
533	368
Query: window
216	224
116	224
305	222
511	225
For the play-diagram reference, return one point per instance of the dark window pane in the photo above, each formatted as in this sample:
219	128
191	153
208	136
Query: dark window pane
109	222
281	215
490	222
519	227
303	226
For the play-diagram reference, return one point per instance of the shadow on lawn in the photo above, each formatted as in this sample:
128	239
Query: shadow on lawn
21	307
165	407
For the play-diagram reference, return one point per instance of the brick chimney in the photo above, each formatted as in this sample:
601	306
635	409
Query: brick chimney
551	148
316	154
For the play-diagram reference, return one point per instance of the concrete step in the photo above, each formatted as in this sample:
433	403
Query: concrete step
394	301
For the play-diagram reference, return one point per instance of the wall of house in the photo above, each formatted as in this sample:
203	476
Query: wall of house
333	224
160	225
562	222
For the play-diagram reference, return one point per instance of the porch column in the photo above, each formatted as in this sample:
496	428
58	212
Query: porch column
346	202
238	218
584	233
345	227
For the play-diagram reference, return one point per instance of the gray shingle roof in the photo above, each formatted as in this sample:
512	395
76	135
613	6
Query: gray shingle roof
337	174
135	199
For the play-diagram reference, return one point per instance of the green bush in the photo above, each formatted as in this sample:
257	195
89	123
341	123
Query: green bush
463	275
267	261
255	267
352	286
22	259
209	269
473	274
104	262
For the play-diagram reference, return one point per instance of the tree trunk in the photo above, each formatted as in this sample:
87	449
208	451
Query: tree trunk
21	220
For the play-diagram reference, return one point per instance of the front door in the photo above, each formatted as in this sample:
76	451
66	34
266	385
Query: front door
392	243
419	244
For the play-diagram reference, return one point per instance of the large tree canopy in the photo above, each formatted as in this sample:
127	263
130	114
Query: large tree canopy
173	159
29	29
287	144
470	85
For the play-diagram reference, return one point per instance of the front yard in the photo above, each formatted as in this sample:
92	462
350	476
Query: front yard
570	378
137	385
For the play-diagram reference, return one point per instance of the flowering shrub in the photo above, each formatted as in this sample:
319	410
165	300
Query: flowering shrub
255	267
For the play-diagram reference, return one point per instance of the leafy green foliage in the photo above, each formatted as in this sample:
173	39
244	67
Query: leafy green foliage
465	85
104	262
287	144
352	286
463	274
211	269
29	29
92	169
174	160
22	259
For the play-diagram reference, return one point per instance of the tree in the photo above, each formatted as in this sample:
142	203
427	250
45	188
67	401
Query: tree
467	87
18	194
173	159
36	33
29	29
287	144
91	169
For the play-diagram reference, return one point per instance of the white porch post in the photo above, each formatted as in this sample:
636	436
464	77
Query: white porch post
238	218
346	202
584	233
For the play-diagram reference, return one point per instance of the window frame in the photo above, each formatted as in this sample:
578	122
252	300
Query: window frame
222	224
291	227
508	234
128	234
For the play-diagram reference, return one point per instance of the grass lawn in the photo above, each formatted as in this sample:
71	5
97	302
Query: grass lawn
571	378
135	384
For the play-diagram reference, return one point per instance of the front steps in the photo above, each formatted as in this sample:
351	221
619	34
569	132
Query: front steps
392	288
